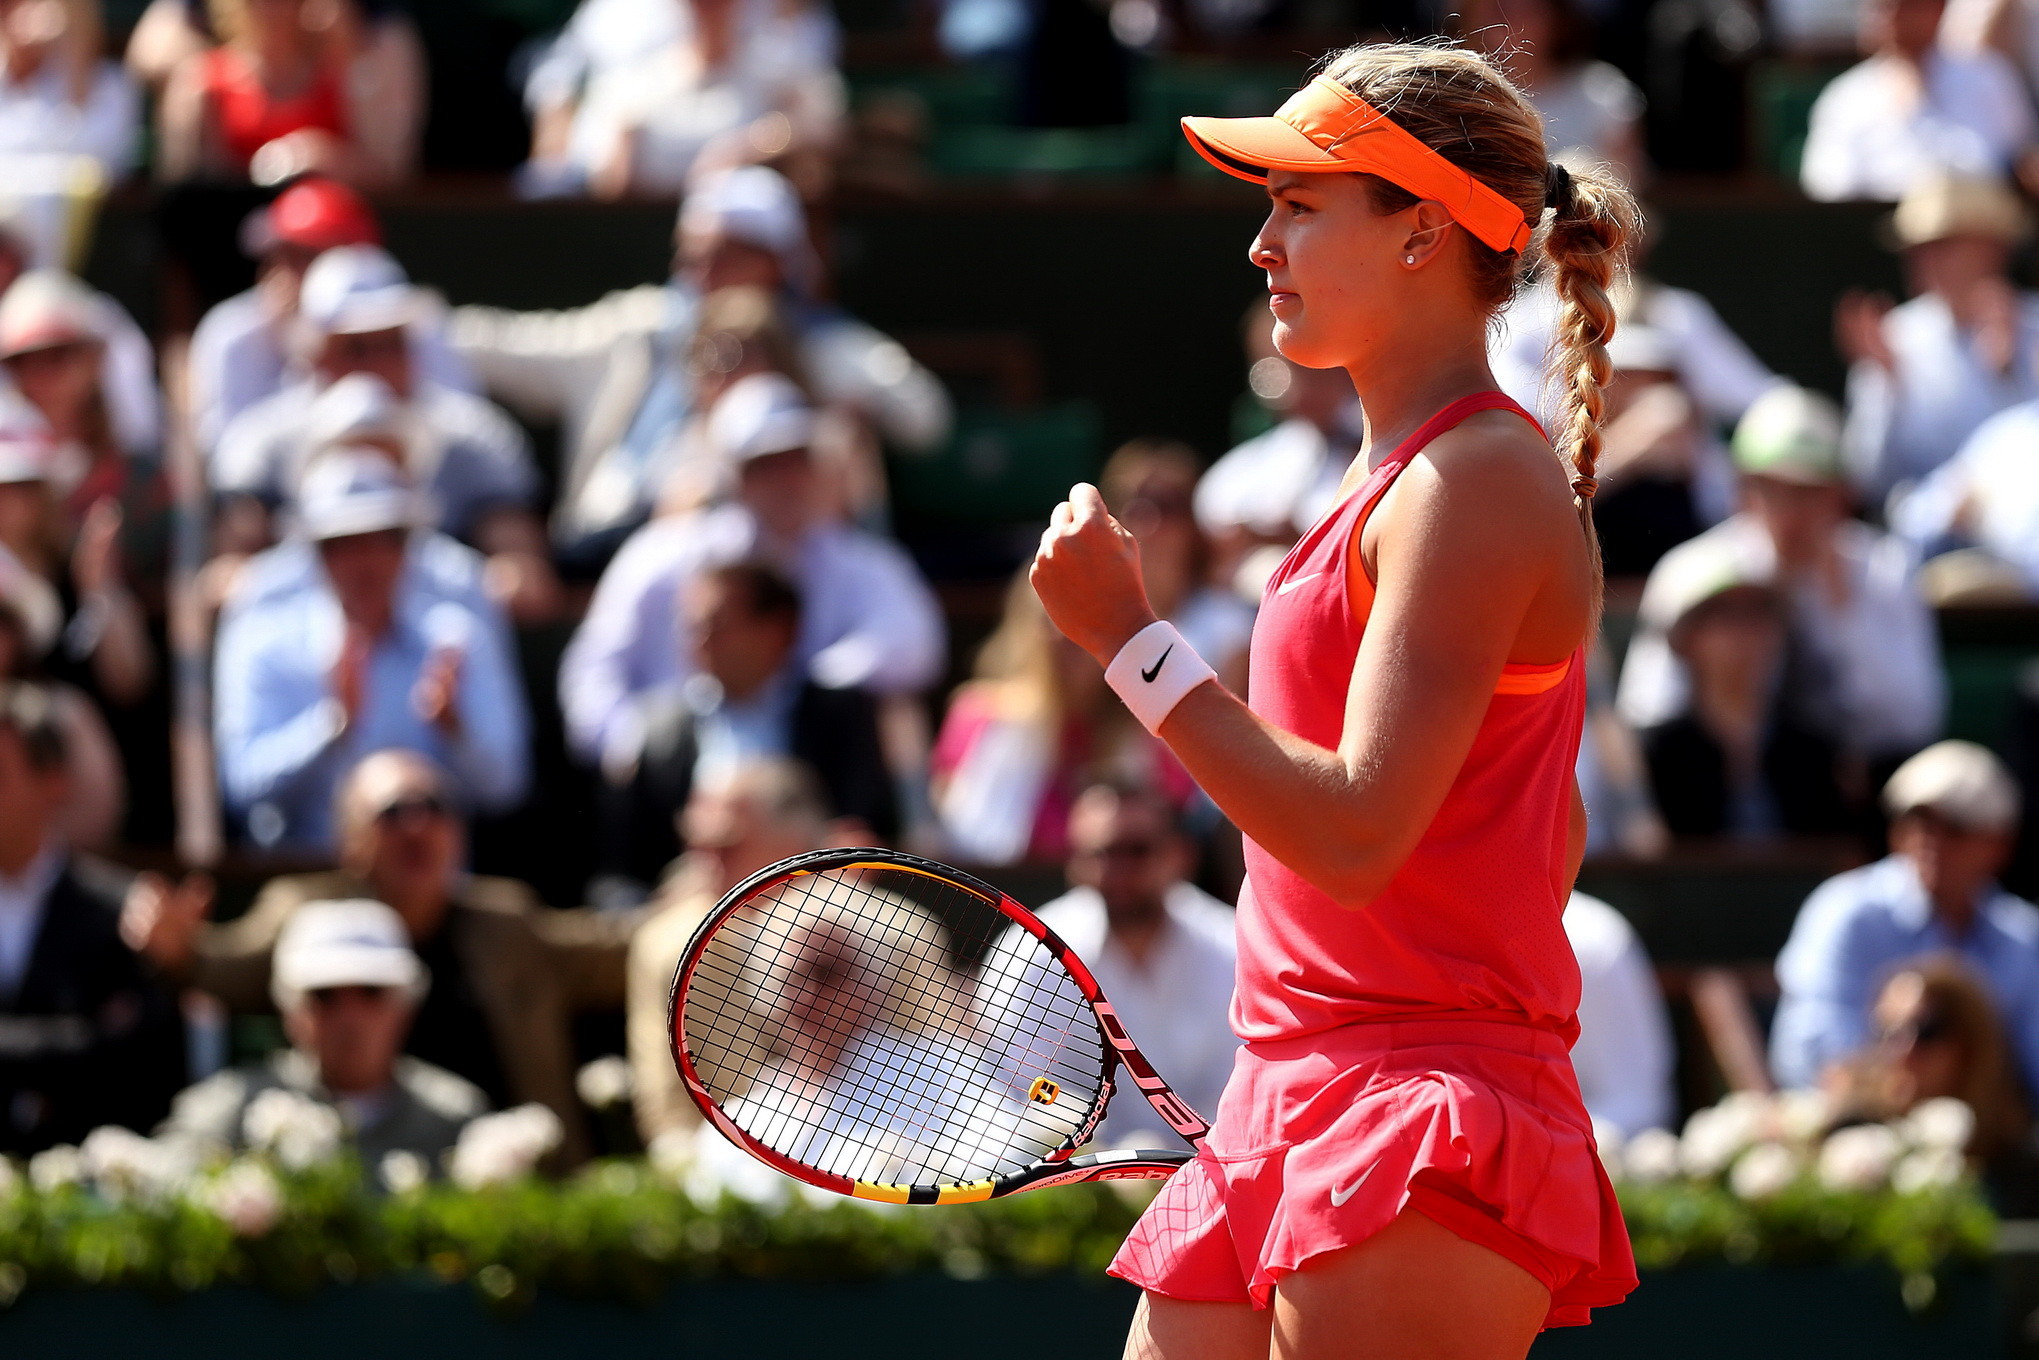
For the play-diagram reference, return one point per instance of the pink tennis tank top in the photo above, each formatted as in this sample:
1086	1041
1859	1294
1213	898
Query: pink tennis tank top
1472	923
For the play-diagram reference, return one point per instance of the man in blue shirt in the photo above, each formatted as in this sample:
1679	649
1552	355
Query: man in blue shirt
363	657
1954	813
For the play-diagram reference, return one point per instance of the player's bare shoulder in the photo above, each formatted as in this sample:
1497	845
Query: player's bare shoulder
1491	476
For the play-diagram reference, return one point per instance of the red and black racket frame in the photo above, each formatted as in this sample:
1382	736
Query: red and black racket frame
1061	1166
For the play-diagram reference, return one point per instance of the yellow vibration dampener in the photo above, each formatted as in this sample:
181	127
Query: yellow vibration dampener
1043	1091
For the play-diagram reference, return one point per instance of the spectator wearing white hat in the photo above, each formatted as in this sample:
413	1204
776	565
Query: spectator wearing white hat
1865	646
307	684
1737	760
347	985
242	350
1925	374
355	314
868	619
53	348
509	975
1954	814
614	374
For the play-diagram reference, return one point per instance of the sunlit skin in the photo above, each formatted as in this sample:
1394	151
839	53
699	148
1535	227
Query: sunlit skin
1479	560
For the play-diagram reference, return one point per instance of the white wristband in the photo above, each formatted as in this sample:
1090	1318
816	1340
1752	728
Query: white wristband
1153	671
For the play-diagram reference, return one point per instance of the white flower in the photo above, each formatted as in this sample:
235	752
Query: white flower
245	1197
604	1082
1943	1122
1650	1157
719	1167
1715	1137
671	1153
1607	1141
403	1172
1764	1170
1859	1157
1803	1116
54	1168
122	1163
295	1129
496	1148
1928	1168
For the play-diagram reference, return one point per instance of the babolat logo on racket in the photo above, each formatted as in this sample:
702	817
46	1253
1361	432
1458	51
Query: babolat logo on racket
1043	1091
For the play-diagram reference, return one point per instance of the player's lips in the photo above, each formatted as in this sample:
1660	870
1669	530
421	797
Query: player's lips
1278	298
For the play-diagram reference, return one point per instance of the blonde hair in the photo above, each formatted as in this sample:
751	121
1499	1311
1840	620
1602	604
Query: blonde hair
1461	106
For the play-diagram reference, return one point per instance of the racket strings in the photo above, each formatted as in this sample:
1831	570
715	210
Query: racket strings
886	1026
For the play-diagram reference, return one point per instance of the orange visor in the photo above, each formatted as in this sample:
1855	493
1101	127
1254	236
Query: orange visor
1326	128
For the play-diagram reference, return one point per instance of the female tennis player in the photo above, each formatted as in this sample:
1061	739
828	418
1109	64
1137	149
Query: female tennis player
1401	1166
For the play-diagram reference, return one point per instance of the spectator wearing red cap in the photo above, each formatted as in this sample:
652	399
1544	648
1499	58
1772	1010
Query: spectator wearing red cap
240	352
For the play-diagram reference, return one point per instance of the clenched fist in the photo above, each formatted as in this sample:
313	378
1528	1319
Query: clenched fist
1087	573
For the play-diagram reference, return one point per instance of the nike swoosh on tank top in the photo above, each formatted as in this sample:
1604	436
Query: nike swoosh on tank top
1472	923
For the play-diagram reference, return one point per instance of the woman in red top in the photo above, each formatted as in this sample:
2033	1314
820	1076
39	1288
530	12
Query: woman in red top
275	89
1401	1165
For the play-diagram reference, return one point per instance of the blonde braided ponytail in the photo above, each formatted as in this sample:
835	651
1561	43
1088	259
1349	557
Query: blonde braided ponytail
1460	106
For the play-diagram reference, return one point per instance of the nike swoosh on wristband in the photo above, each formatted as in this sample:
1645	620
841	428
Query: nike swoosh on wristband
1286	586
1338	1199
1148	676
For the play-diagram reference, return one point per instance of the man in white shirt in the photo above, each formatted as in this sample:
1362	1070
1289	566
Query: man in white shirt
1162	949
867	617
1922	376
1624	1054
1912	109
1857	616
1275	485
613	374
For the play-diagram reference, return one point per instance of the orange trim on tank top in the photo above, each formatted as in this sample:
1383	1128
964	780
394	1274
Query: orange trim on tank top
1517	678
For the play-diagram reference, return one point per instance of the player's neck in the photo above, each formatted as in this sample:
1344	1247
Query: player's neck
1398	392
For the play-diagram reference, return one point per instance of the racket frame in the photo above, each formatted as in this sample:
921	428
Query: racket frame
1059	1166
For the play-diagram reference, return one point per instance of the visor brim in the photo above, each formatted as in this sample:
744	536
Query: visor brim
1247	148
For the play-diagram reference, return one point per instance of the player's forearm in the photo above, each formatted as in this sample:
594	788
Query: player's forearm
1297	800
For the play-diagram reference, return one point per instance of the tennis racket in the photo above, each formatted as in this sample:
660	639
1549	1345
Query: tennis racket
893	1029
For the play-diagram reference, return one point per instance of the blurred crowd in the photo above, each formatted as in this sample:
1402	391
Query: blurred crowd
471	732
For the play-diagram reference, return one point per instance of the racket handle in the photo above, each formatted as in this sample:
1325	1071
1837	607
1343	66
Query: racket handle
1126	1165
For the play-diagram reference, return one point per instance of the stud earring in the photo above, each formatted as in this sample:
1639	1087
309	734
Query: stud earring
1408	259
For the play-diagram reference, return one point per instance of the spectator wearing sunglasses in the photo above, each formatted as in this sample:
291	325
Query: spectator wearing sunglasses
348	986
1954	811
508	975
1161	947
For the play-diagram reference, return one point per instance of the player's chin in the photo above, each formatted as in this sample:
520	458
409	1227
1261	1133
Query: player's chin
1298	341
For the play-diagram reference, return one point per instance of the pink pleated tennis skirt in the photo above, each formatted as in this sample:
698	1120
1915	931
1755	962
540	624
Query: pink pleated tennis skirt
1320	1142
